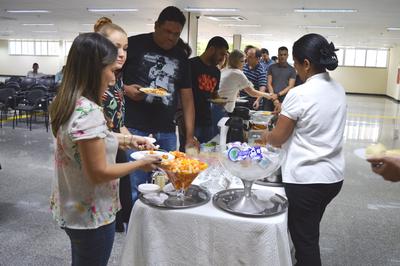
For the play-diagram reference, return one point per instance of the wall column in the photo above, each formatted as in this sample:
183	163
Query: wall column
237	41
191	30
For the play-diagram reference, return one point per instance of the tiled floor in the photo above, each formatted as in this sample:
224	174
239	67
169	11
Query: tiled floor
360	227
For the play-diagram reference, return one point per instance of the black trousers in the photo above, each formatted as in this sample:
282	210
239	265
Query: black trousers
307	204
125	195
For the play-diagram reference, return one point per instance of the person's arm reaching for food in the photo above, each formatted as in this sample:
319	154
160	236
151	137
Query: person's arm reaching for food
189	116
255	93
256	103
289	86
129	141
281	133
93	158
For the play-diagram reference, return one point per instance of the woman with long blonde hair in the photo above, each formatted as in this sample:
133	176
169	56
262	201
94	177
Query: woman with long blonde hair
114	110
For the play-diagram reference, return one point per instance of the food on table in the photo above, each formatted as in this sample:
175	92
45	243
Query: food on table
182	170
250	162
178	154
160	178
258	126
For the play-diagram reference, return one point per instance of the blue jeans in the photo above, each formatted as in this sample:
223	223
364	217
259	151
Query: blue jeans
91	247
204	134
218	111
167	141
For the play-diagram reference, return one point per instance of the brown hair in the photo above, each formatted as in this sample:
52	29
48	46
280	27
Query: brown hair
90	53
234	58
105	26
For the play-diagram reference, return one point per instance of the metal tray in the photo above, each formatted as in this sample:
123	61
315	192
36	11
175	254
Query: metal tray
265	182
272	203
197	195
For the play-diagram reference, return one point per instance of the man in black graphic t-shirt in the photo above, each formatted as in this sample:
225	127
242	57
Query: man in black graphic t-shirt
205	83
155	60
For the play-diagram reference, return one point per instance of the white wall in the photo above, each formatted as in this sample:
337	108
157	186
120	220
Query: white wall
20	65
393	89
369	80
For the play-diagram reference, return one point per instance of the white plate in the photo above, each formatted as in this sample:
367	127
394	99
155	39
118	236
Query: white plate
360	153
218	100
145	90
241	100
150	139
138	155
264	123
148	188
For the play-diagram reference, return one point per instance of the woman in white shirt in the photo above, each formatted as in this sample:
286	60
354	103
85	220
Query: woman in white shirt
310	128
84	198
233	80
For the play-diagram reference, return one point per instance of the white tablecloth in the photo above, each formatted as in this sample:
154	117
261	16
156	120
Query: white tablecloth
203	236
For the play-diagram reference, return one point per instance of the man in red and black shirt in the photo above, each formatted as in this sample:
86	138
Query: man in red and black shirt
205	83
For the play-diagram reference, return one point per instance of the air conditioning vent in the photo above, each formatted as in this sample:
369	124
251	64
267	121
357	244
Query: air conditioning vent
7	18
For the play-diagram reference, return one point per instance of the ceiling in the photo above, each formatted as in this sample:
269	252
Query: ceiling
277	20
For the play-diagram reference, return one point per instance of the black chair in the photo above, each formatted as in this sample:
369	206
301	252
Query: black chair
14	85
48	82
7	100
14	79
35	100
39	87
27	83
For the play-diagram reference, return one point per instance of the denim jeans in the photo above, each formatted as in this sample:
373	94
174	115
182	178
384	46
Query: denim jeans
167	141
218	111
91	247
204	134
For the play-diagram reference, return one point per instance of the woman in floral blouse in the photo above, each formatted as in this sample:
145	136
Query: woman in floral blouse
84	197
114	111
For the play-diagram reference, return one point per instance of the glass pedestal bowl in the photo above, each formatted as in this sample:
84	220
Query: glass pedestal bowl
181	172
250	163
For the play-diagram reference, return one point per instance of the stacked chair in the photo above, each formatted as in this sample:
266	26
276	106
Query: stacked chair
7	100
26	97
34	100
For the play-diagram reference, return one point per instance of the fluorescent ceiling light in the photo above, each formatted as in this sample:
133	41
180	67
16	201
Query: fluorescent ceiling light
241	25
27	11
325	10
44	31
87	24
393	28
320	27
331	36
38	24
385	39
112	9
200	9
225	18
